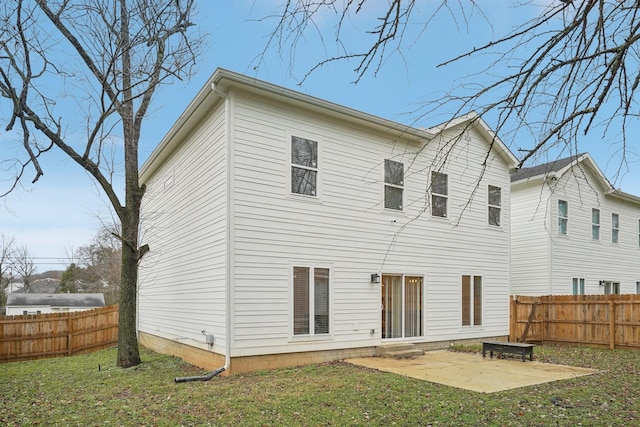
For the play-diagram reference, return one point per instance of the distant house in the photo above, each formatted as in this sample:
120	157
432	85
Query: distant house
19	303
285	229
572	232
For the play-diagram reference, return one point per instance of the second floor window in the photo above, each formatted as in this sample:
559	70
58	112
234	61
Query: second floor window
595	224
615	227
393	184
439	194
563	216
494	205
304	166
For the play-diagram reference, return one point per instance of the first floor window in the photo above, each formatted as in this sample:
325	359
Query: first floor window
637	287
304	166
310	301
578	286
610	288
471	300
393	184
563	216
494	205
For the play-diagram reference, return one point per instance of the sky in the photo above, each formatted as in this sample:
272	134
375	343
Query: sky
64	209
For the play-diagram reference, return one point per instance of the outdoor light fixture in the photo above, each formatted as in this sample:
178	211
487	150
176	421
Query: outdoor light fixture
375	278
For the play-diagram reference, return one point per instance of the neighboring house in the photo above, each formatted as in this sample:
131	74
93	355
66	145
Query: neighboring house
572	232
19	303
285	229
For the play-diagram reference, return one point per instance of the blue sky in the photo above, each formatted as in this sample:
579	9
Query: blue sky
64	209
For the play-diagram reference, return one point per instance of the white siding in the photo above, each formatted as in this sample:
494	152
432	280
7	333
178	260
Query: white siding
182	280
347	229
576	254
530	244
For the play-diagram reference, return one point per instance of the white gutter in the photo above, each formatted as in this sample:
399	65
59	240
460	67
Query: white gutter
229	199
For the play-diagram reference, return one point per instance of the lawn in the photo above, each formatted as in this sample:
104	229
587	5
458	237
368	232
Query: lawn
90	390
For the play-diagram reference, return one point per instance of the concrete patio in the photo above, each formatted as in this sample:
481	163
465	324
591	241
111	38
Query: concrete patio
471	371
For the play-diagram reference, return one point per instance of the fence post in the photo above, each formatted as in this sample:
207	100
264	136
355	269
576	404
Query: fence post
513	321
69	334
612	324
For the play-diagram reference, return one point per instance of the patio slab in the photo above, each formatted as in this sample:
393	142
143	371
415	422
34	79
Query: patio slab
470	371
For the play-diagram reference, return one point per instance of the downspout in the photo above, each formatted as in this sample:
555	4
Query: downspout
227	355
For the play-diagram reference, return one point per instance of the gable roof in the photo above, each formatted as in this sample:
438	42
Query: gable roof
544	169
222	81
557	168
56	300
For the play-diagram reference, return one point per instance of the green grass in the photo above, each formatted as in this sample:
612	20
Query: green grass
90	390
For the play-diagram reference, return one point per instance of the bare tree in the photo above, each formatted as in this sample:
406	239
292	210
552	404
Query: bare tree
106	59
24	266
569	70
6	265
100	260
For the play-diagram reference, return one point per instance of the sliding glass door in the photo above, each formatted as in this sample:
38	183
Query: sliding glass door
402	308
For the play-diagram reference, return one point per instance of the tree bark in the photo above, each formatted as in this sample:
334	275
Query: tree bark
128	352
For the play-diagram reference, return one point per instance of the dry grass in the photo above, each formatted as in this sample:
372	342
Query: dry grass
90	390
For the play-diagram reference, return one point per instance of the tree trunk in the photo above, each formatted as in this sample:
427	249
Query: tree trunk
128	353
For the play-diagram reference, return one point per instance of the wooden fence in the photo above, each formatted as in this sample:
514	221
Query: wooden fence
611	321
59	334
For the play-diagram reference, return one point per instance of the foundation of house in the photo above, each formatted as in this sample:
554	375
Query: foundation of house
210	361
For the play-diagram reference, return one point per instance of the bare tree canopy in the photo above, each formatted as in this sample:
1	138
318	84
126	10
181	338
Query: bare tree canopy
568	69
103	61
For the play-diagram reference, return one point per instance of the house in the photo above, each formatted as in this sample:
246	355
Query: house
572	231
21	303
285	229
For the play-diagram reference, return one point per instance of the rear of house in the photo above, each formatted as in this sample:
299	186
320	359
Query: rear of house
572	232
285	229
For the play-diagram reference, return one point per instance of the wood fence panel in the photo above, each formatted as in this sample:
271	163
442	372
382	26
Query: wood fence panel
599	320
51	335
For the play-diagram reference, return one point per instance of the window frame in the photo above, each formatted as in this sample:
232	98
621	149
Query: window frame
311	302
314	169
438	195
577	286
610	287
473	301
615	227
393	185
595	226
494	207
563	230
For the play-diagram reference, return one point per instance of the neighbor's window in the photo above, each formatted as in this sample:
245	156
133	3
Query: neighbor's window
304	166
310	301
471	300
393	184
494	205
611	288
595	224
563	216
578	286
439	194
615	227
